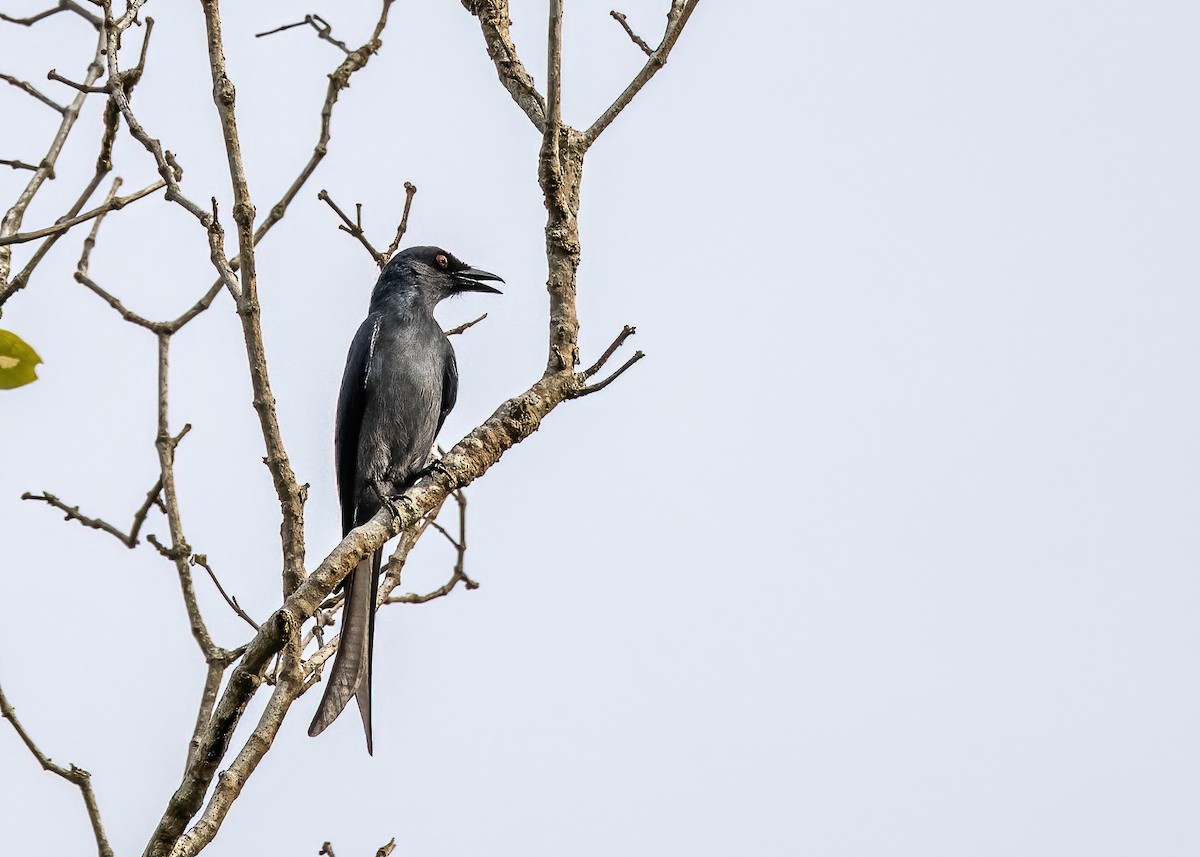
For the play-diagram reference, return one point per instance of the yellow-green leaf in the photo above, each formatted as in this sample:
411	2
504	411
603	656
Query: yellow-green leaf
17	360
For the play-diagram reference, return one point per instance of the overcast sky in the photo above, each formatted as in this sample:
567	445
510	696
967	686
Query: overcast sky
889	547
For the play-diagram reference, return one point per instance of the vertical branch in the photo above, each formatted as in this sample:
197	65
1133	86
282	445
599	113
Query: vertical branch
554	77
179	551
291	495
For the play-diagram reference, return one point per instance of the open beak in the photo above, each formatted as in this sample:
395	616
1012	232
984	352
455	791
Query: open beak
471	280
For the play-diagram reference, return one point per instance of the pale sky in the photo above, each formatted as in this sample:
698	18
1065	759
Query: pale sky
889	547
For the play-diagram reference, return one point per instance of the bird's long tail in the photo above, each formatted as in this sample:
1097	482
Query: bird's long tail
350	674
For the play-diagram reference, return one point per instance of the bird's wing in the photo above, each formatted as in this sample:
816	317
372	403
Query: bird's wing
352	401
449	388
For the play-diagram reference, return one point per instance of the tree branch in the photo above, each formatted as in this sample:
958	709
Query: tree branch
115	203
129	539
72	774
11	222
324	31
29	88
410	190
637	40
495	21
290	493
677	19
465	326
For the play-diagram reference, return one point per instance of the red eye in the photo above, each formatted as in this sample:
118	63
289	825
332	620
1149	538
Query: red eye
442	261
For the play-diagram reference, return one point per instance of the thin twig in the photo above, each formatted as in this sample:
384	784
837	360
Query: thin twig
12	219
63	6
202	561
114	203
626	332
129	539
20	165
410	190
637	40
465	326
29	88
77	776
596	388
82	87
324	30
352	227
677	19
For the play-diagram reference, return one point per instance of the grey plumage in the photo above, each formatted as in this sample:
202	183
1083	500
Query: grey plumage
400	382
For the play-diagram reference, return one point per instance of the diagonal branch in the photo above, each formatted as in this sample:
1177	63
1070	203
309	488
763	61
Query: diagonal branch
353	227
677	19
495	21
113	203
637	40
72	774
29	88
465	326
11	222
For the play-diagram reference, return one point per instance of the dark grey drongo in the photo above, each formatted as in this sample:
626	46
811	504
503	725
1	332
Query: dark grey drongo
400	382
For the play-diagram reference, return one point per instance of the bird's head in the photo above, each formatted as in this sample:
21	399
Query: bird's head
429	275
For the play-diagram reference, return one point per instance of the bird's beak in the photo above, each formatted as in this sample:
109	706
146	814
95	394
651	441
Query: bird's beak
468	280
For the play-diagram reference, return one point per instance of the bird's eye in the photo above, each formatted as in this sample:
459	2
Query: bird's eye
442	261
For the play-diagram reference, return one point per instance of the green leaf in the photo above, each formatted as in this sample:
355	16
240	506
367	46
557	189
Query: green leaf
17	360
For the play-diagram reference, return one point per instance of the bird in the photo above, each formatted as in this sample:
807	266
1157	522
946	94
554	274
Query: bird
400	383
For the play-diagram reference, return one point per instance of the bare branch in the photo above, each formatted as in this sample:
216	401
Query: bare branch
29	88
11	222
324	31
20	165
465	326
77	776
410	190
113	203
63	6
81	87
637	40
596	388
495	21
338	80
179	551
677	19
353	227
202	561
626	332
129	539
290	493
